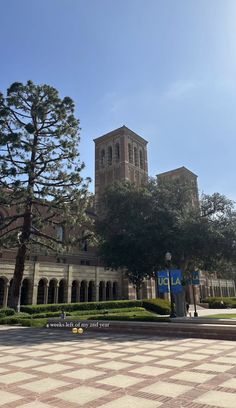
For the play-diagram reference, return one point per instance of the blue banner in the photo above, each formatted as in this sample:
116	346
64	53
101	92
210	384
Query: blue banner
176	281
163	281
195	278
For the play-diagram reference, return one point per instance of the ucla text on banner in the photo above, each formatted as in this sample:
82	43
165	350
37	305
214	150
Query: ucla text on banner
176	281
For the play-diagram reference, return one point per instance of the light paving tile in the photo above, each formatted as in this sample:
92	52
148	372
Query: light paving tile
178	348
140	359
232	353
225	360
85	351
173	363
109	354
82	395
114	365
193	377
18	350
231	383
35	404
135	350
38	353
62	349
85	361
221	346
160	353
108	347
218	399
166	389
59	357
15	377
192	356
150	370
213	367
52	368
128	402
84	374
8	397
121	381
207	351
27	363
44	385
9	359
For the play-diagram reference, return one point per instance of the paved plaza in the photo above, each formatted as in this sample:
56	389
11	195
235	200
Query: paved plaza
51	368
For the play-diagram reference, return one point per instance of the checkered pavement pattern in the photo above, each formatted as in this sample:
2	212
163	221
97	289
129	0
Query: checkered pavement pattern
51	368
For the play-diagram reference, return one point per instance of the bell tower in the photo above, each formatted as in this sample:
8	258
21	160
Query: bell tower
119	155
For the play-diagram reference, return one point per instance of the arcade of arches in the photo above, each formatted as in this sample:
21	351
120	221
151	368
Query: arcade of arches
45	283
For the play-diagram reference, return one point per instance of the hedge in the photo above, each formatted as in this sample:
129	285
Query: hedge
215	302
69	307
159	306
6	312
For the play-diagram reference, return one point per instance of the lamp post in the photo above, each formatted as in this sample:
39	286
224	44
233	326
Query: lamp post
168	258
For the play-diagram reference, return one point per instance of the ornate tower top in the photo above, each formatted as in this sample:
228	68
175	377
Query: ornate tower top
119	155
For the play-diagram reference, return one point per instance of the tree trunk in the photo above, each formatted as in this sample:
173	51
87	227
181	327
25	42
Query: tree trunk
138	293
18	275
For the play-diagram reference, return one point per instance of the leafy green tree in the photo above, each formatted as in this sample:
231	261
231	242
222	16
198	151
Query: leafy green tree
140	224
41	185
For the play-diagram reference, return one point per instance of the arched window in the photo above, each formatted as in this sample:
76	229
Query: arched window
102	158
130	153
60	233
141	164
117	152
109	156
135	156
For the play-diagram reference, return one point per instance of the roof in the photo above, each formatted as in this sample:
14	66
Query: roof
123	129
182	169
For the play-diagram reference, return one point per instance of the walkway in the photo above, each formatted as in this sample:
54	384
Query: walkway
49	368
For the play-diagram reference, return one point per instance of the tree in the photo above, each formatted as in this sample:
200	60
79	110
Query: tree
140	224
41	185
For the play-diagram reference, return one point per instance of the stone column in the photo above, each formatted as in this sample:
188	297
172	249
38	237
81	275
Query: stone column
34	286
34	294
45	300
69	283
96	284
55	300
5	296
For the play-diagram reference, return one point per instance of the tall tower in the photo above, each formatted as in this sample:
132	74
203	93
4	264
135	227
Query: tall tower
119	155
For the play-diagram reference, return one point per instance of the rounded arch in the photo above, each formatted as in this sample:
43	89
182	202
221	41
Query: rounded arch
52	290
102	291
91	291
42	285
84	291
62	291
115	290
75	291
108	290
25	291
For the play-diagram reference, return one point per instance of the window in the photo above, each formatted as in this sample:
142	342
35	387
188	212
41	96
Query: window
109	154
130	153
60	233
141	164
102	158
135	157
117	152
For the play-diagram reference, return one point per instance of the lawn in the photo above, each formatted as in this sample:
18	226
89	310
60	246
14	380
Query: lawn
222	316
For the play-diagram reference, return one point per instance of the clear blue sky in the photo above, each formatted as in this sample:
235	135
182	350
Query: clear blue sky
164	68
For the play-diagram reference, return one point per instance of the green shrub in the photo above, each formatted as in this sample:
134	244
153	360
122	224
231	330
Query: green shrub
159	306
6	312
215	302
69	307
